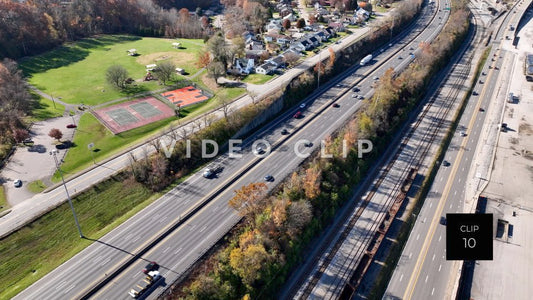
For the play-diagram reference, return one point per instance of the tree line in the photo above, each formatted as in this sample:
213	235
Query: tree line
35	26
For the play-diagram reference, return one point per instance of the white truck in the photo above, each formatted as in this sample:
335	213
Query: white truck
366	59
144	284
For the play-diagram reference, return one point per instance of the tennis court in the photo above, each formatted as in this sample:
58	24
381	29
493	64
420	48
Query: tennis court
128	115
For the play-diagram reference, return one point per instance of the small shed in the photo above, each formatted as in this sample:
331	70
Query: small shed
176	45
151	67
132	52
180	71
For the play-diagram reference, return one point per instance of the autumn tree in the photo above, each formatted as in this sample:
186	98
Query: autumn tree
117	75
300	23
20	134
250	200
299	215
165	71
248	262
312	182
203	59
286	24
55	133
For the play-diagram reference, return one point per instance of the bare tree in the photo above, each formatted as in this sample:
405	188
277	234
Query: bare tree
216	70
291	58
20	135
224	105
165	70
117	75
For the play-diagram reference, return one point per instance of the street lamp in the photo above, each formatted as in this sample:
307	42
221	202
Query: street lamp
54	154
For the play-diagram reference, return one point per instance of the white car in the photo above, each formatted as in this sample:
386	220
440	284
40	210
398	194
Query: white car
17	183
302	105
208	173
463	133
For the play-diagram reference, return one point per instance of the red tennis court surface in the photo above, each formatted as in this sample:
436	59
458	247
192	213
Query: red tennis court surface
185	96
128	115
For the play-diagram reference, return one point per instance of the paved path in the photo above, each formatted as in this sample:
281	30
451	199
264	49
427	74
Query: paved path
27	209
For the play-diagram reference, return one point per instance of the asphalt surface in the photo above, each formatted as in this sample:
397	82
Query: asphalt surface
423	272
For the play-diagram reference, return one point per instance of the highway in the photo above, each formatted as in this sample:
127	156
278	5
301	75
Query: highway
423	272
177	249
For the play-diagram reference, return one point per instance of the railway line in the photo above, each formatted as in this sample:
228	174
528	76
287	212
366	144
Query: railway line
361	256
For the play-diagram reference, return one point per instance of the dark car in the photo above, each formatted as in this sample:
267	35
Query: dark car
445	163
336	105
443	220
269	178
481	109
308	144
71	126
355	89
284	131
474	93
529	78
151	266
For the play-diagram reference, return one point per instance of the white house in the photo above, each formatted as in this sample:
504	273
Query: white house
265	69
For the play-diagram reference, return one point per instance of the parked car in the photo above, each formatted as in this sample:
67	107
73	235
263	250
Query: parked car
17	183
269	178
71	126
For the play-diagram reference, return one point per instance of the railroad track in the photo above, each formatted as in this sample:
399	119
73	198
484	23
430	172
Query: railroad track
415	162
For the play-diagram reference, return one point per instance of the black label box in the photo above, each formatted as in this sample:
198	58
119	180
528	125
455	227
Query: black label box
469	236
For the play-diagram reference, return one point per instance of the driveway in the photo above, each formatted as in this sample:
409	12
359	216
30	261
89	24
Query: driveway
33	163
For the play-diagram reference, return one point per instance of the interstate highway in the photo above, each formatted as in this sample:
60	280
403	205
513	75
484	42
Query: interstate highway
197	234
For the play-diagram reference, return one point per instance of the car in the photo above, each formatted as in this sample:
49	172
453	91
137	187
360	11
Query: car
474	93
71	126
463	133
27	141
399	57
302	105
445	163
361	97
390	45
336	105
337	42
17	183
355	95
481	81
339	85
481	109
269	178
443	221
284	131
483	73
208	173
151	266
308	144
297	115
355	89
375	78
529	78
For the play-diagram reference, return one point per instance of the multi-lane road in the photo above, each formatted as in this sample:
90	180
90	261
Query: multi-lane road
187	221
423	272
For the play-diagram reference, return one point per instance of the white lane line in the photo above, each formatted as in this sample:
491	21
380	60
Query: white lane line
106	261
430	204
65	291
460	180
455	193
203	228
59	286
427	276
451	205
463	169
166	249
410	254
440	237
441	178
417	236
440	266
401	277
178	250
432	291
433	256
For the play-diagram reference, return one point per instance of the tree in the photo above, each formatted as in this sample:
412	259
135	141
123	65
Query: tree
248	262
250	199
203	59
20	134
299	215
300	23
165	70
216	70
219	50
117	75
286	24
55	133
291	58
312	182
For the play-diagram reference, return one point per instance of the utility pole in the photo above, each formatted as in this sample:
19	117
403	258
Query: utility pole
54	154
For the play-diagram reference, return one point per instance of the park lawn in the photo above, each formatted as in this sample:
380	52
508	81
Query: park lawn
75	72
45	109
90	130
36	186
257	78
38	248
3	200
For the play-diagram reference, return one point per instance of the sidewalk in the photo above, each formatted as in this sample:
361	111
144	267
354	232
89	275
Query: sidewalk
30	209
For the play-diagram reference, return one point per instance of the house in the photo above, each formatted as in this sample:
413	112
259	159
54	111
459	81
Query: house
361	15
321	36
291	17
277	61
283	40
265	69
337	26
314	40
273	25
242	66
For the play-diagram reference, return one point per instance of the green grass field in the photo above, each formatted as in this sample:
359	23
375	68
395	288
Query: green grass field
75	73
45	109
257	78
90	130
38	248
3	200
36	186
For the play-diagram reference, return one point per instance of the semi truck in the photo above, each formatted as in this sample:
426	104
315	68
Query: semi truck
366	60
144	284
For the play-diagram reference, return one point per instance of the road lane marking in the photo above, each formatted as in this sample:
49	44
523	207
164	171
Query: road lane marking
432	291
401	277
418	236
410	254
427	276
440	236
433	256
440	266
